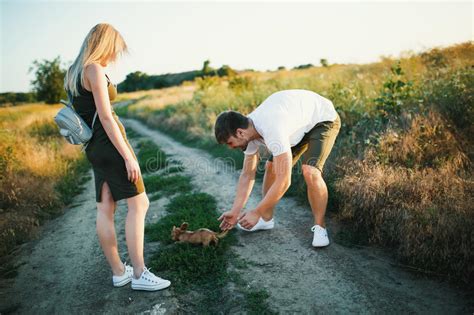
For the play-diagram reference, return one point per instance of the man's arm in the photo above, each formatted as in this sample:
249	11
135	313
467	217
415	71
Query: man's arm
244	188
246	182
282	168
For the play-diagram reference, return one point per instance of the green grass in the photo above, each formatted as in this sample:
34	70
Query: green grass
121	111
150	157
156	196
256	302
71	184
198	209
132	134
169	184
174	169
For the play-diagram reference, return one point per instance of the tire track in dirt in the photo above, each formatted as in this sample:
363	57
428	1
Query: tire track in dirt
299	278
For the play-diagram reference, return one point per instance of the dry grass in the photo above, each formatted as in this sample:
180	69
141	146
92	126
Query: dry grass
19	117
415	192
157	99
34	163
430	142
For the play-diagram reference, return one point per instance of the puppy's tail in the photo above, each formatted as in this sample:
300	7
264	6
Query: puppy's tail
222	234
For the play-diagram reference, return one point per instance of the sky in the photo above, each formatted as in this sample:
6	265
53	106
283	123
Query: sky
167	37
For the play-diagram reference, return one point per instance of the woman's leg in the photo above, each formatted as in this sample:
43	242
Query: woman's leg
135	229
106	230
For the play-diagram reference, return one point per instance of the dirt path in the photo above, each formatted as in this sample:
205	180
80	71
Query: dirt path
65	271
299	278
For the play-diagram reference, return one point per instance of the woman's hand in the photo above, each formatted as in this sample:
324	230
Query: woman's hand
133	170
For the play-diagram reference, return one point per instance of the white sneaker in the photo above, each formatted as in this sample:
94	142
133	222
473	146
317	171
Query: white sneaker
120	281
320	237
149	282
261	225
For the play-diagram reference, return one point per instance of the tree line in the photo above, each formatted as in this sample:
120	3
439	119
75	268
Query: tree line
47	85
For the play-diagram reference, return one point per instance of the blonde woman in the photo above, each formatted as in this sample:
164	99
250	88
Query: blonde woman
116	170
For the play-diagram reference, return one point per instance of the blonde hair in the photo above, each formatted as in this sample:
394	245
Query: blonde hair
103	42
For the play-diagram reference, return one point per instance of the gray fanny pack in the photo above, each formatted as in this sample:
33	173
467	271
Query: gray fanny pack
71	126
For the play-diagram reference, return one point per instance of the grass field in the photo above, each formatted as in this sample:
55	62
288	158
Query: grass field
40	171
401	171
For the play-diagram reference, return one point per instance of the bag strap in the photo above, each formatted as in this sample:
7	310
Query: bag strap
93	120
69	104
69	96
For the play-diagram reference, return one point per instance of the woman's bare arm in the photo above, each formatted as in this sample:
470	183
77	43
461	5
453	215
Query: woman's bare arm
95	76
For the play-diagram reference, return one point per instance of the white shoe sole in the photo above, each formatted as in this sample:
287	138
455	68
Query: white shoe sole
321	244
142	287
122	283
258	229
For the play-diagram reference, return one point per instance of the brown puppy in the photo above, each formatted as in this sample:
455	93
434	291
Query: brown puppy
201	236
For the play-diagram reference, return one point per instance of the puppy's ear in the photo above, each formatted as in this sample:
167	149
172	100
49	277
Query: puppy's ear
184	226
174	227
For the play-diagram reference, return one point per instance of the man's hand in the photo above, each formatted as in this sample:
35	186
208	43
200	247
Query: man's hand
229	219
249	219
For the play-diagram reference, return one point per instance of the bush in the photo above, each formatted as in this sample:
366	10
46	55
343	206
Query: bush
10	98
39	174
452	93
413	192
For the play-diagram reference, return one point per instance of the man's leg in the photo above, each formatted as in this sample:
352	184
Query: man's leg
321	142
268	180
317	193
269	176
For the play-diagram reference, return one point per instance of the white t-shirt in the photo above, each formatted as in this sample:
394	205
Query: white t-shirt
285	116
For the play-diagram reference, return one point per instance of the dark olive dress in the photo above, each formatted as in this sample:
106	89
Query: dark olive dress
107	163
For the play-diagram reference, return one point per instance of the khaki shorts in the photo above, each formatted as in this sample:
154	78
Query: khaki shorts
316	144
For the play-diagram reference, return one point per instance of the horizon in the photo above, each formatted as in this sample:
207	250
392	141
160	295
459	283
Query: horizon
261	36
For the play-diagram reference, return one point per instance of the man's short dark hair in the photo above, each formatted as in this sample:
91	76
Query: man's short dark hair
227	124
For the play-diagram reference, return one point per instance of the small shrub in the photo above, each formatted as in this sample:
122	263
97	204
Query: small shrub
44	130
240	83
395	93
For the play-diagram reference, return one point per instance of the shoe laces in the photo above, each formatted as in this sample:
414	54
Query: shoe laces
148	275
320	230
127	267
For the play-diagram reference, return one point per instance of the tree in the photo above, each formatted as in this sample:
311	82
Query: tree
225	70
307	66
206	69
136	81
324	62
49	80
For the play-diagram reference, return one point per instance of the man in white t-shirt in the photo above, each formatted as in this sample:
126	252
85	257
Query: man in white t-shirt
290	124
